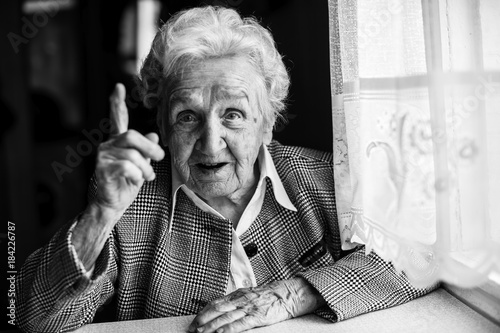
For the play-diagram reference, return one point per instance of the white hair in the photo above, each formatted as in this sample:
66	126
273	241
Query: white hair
210	32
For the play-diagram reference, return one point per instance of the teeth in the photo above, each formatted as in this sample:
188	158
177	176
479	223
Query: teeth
211	165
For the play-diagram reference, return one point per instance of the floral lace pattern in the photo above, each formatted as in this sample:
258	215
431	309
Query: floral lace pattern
414	142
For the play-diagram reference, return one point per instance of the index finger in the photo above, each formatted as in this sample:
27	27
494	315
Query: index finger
119	111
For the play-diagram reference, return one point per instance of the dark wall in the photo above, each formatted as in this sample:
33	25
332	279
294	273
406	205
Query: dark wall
54	88
300	29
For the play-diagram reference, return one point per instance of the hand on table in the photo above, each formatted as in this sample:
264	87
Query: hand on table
259	306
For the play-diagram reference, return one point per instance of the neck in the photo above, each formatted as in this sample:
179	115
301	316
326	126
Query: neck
233	206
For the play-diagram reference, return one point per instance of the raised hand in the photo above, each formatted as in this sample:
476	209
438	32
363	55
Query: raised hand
123	164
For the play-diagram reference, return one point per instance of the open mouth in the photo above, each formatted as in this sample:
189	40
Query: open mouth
210	166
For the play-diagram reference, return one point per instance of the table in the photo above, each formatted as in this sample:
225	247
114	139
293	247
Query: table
436	312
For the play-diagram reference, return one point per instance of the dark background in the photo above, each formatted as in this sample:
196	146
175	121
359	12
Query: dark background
58	67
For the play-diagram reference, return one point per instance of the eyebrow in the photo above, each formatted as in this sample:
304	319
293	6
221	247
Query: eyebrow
185	95
182	96
230	93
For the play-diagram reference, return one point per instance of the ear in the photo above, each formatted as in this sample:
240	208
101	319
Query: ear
268	134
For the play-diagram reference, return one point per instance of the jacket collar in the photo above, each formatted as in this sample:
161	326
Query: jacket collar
267	170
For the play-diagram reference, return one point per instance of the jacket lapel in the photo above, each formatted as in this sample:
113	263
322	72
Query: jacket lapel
192	262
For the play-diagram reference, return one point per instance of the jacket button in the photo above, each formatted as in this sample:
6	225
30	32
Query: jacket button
251	250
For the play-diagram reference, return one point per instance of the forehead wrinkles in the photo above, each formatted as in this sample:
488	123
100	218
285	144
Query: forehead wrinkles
224	93
182	96
215	93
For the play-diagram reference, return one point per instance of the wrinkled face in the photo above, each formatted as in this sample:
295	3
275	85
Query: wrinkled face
213	128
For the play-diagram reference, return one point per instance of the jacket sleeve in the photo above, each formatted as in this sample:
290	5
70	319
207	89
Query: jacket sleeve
355	283
359	283
55	294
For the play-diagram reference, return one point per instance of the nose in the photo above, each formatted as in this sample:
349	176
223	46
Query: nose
212	137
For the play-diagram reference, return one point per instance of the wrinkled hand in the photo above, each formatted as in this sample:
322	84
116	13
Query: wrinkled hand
260	306
123	162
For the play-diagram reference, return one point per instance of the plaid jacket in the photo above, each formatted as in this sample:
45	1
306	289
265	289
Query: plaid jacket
150	272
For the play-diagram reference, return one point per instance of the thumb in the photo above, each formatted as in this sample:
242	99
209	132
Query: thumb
153	137
158	153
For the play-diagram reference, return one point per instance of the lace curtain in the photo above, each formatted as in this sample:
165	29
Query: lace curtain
416	124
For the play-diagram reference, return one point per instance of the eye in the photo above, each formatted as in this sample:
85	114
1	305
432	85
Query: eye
233	115
186	117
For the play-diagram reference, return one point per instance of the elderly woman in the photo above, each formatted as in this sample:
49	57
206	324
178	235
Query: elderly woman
227	224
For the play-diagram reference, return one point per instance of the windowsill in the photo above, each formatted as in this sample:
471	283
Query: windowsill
436	312
484	299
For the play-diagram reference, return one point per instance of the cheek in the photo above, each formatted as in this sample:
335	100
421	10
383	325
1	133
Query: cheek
181	145
247	145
